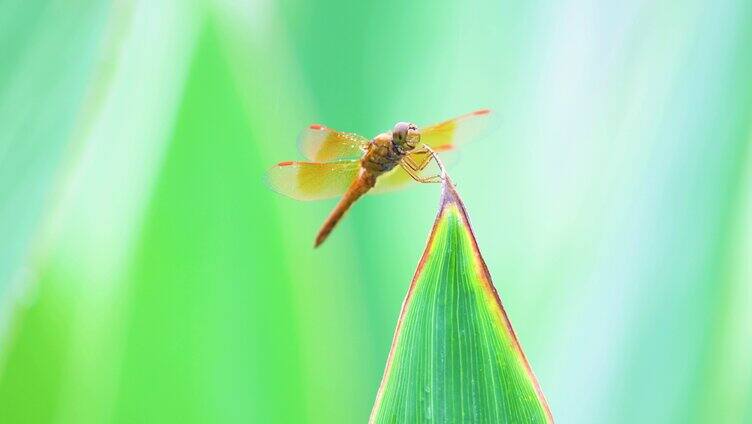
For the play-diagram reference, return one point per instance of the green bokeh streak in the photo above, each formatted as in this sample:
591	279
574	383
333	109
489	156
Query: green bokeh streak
454	359
722	387
706	147
48	56
333	314
49	50
34	377
209	335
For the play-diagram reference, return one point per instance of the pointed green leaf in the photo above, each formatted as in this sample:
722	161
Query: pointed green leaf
455	357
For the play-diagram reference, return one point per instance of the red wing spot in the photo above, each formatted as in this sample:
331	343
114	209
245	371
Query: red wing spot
482	112
317	127
288	163
442	148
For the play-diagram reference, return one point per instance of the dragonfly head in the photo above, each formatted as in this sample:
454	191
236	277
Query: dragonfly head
406	135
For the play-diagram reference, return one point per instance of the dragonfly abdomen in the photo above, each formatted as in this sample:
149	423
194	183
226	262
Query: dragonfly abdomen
365	181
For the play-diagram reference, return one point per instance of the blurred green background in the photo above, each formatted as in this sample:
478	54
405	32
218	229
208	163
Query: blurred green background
147	275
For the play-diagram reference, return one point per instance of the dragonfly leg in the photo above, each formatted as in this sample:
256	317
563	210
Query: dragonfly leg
413	168
426	155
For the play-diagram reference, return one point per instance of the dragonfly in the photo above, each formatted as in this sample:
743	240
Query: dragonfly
350	165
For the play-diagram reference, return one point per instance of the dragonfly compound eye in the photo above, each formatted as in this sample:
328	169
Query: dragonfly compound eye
400	131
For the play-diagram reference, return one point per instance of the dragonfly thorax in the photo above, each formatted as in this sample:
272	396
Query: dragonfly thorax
385	152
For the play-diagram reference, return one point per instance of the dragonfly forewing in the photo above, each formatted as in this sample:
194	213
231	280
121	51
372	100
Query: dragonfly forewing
312	180
321	144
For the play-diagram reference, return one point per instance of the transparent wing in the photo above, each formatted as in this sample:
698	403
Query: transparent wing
395	179
449	134
312	180
321	144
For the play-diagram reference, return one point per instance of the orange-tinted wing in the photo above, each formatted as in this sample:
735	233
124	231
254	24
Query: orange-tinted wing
395	179
312	180
321	144
449	134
